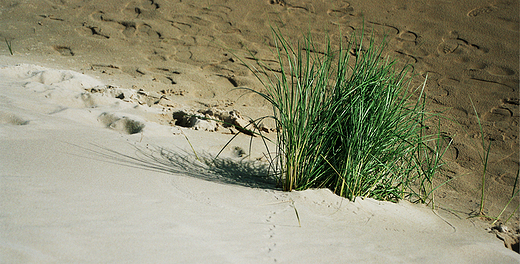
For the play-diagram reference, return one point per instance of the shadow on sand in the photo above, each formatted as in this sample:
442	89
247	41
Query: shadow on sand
243	172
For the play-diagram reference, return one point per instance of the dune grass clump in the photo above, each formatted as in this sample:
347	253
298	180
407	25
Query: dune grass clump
346	121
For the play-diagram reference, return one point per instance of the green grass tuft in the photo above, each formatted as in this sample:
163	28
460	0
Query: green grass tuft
346	121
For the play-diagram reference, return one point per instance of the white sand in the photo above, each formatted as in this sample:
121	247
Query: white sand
69	195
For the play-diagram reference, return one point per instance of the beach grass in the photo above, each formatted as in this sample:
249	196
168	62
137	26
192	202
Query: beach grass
484	159
514	194
346	120
9	46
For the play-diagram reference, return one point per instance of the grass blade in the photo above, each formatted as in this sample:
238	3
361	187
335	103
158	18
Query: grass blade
9	46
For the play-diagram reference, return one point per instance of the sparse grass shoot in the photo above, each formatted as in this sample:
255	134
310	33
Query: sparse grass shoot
8	43
484	158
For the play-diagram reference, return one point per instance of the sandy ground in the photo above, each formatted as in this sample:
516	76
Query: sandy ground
74	190
77	187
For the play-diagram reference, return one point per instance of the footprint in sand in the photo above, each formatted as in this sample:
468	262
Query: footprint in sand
132	29
92	31
165	75
408	36
384	28
499	70
498	114
99	26
164	79
406	43
404	57
449	43
108	25
190	24
510	23
277	2
129	28
452	43
179	28
511	101
106	68
142	9
64	50
122	124
481	10
148	32
505	178
340	11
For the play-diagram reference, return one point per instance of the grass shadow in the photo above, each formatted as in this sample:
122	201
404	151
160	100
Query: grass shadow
241	172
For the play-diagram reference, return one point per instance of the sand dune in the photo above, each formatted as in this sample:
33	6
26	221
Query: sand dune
77	190
94	171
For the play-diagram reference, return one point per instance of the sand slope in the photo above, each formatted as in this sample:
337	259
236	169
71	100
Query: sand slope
186	50
75	190
148	58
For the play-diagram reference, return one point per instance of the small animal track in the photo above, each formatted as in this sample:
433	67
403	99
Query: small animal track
271	233
271	245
